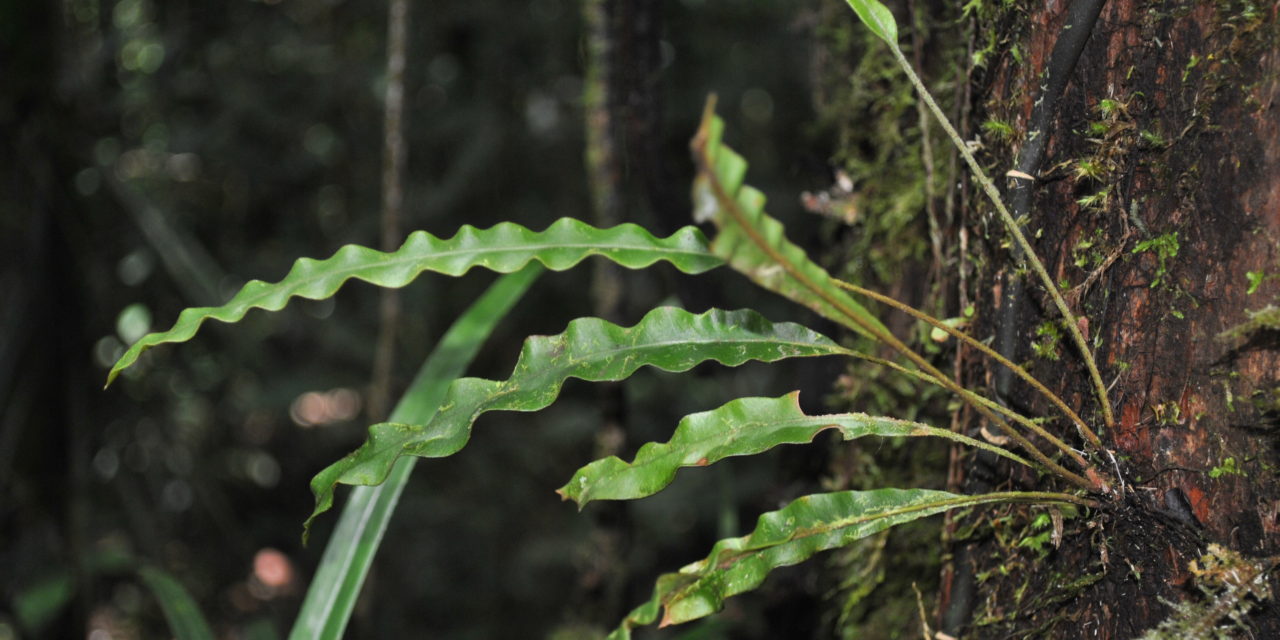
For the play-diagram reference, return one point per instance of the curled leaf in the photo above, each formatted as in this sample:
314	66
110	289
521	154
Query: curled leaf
746	426
755	244
589	349
791	535
505	248
340	576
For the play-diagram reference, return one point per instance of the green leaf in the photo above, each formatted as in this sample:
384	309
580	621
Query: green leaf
1255	281
180	609
37	604
746	426
878	18
358	534
505	248
45	599
789	536
755	244
590	349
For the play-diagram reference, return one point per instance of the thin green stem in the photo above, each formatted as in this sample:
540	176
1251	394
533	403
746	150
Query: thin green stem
1047	496
1084	429
978	399
1068	318
731	206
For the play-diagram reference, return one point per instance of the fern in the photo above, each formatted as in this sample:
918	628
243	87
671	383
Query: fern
436	419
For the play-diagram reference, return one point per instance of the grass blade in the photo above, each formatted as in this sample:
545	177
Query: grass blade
589	349
743	427
350	551
180	610
505	248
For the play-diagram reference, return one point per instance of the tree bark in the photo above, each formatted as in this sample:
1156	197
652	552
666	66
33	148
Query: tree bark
1159	205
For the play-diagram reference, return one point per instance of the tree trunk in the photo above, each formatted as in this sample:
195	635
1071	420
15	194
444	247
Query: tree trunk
1158	204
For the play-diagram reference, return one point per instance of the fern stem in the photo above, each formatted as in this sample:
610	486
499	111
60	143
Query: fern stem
730	205
976	399
1085	431
1048	496
393	164
1029	253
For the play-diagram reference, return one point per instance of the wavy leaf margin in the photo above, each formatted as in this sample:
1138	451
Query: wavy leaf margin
505	248
791	535
754	243
350	551
590	349
743	427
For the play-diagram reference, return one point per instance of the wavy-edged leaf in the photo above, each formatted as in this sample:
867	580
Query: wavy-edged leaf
350	551
743	427
789	536
505	248
878	18
590	349
754	243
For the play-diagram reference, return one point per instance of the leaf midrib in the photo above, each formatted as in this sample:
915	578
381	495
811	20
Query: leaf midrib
671	450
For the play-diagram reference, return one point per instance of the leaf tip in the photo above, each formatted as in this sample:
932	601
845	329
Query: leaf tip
580	499
116	368
709	107
878	18
306	524
700	138
666	618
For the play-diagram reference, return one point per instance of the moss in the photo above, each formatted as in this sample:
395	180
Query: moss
998	129
872	109
1255	281
1023	548
1167	414
1230	586
1165	247
1048	337
1226	467
1266	318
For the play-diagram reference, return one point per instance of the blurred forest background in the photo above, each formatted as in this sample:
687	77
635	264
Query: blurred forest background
158	154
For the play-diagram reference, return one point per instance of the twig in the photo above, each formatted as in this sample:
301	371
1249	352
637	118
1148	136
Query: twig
393	162
926	148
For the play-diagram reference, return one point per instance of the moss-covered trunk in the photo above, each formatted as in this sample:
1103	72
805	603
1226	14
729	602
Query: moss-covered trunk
1158	208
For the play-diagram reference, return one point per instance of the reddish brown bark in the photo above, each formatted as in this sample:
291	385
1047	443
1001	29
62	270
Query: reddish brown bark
1202	79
